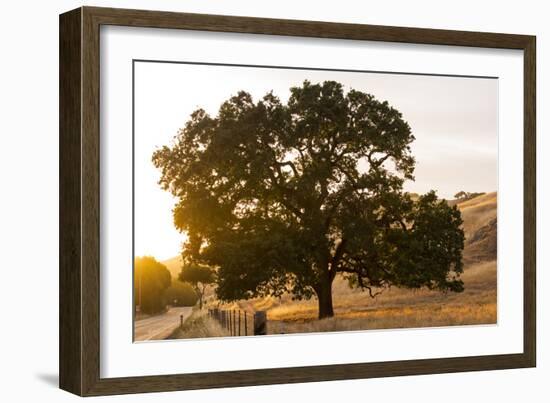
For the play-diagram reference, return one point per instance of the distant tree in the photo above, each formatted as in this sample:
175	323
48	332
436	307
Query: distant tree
151	278
199	276
462	195
282	197
180	294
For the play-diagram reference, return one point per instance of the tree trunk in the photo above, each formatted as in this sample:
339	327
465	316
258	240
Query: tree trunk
202	294
199	294
324	296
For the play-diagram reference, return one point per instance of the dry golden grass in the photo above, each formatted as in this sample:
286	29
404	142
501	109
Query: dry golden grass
487	198
477	212
199	325
401	307
393	318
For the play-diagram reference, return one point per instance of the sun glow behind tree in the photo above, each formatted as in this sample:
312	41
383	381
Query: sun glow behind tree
272	195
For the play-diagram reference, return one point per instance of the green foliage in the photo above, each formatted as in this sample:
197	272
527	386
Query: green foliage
430	250
180	294
199	276
281	197
151	279
461	195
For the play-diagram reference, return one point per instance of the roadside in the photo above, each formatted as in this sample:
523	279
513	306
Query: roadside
199	325
140	315
159	327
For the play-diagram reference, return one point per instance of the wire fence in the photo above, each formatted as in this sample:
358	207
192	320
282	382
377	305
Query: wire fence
240	323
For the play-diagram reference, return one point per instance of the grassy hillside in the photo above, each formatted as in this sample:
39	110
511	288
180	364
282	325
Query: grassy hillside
480	228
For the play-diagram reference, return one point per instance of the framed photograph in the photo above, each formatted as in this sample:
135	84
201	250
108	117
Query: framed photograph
249	201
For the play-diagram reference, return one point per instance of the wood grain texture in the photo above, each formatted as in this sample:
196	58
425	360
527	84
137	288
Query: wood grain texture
70	315
316	29
530	202
80	195
90	202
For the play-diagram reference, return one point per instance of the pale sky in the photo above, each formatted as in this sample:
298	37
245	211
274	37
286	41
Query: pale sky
454	120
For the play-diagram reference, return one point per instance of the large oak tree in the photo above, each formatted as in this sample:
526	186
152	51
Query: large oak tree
283	196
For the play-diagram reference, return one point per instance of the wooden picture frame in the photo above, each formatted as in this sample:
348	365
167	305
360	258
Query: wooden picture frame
79	346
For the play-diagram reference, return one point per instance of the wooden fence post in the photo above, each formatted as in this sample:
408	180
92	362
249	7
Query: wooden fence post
239	312
260	323
231	321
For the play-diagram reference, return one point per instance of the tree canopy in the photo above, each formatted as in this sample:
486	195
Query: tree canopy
180	294
281	197
151	279
462	195
199	276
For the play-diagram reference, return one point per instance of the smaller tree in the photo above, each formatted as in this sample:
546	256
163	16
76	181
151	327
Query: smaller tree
461	195
180	294
151	278
199	276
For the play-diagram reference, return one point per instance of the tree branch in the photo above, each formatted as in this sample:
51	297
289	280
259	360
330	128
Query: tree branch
291	165
285	191
377	163
337	256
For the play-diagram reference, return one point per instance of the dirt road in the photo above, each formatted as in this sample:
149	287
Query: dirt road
161	326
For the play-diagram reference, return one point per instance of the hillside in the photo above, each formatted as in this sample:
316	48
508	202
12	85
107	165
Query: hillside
480	228
173	265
